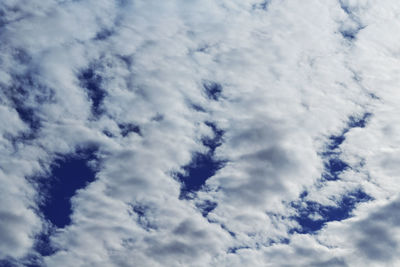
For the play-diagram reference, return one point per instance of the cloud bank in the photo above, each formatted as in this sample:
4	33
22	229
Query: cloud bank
199	133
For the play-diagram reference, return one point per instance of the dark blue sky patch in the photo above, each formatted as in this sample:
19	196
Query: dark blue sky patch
351	34
333	167
354	122
359	122
206	207
43	245
127	59
374	96
312	216
309	225
26	95
233	250
127	128
91	81
142	219
203	48
108	133
68	174
103	34
232	234
28	116
335	141
202	166
213	90
215	141
263	5
197	108
281	240
303	194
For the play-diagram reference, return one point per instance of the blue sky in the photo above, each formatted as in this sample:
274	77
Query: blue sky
199	133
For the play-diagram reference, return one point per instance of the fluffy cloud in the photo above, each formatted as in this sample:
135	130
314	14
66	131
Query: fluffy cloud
293	105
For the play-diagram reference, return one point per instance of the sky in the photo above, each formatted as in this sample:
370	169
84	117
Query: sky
199	133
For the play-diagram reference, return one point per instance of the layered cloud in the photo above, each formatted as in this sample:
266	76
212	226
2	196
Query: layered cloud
201	133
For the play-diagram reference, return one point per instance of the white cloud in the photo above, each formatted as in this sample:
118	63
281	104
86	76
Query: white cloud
290	79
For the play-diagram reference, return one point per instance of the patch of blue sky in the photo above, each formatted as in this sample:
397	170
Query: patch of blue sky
206	207
142	217
213	90
333	164
68	174
127	128
91	81
312	216
202	166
